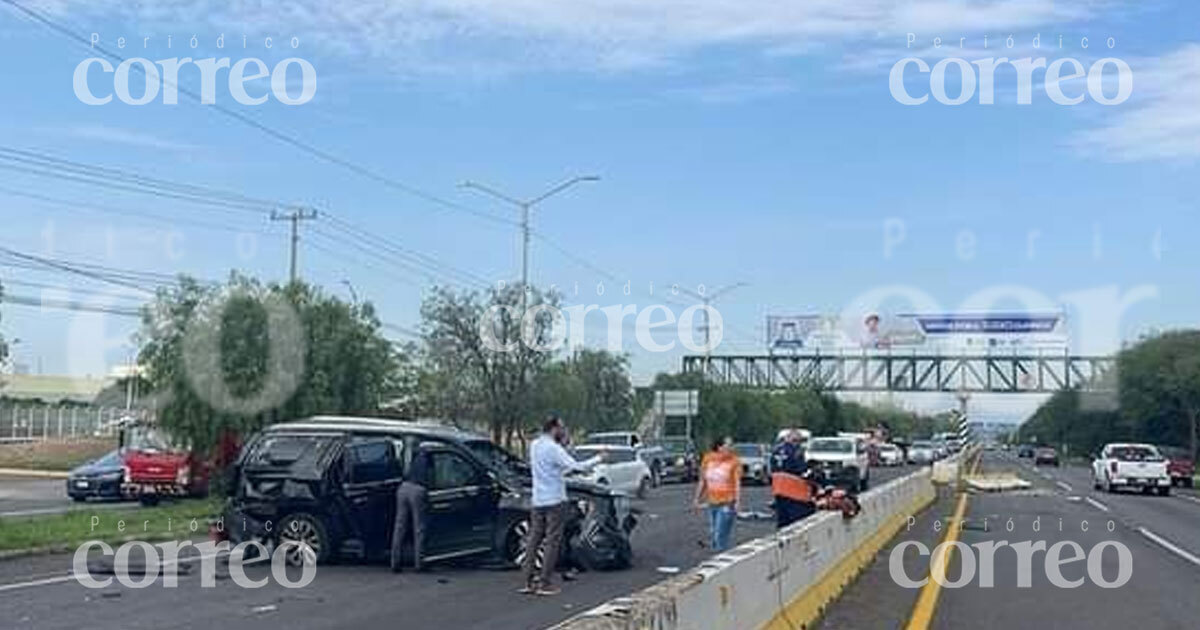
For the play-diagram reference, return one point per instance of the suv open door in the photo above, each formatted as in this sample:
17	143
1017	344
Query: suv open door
463	504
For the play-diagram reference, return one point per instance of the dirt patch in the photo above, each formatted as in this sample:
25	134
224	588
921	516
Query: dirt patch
53	455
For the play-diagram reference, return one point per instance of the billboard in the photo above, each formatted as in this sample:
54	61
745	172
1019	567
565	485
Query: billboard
948	332
794	332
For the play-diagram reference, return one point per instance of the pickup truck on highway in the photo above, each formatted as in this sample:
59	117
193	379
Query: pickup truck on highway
842	460
1138	466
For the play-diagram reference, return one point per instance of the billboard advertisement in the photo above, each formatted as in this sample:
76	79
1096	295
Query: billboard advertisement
945	332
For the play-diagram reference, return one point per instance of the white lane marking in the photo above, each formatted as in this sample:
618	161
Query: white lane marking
43	582
70	577
1064	486
1170	546
1189	498
1096	504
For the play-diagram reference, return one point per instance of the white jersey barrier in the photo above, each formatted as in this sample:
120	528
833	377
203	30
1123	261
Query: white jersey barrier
780	581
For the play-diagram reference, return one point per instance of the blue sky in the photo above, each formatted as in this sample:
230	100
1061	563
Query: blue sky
737	141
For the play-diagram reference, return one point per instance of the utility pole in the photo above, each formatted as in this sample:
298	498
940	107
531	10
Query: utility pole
295	217
525	205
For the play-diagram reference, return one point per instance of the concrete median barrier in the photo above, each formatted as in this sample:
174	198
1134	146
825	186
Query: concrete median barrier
780	581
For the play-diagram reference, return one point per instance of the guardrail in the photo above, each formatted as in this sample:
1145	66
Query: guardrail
779	581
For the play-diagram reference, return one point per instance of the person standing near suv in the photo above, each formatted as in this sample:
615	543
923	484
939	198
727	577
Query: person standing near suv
549	463
411	499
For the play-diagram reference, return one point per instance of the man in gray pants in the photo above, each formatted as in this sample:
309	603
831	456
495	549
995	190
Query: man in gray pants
549	463
411	499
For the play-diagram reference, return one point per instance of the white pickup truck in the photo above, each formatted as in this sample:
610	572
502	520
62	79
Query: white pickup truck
1138	466
842	460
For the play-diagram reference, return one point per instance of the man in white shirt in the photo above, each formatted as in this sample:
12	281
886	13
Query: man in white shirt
549	463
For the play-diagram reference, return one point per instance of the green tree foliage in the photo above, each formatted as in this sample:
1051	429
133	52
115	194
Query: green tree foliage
591	390
1158	400
754	415
3	345
342	363
497	370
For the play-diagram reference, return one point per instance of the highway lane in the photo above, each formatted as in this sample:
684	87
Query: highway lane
1175	519
669	536
1161	591
24	497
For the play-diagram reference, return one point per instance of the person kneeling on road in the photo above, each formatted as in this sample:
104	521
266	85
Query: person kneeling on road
794	494
549	463
411	499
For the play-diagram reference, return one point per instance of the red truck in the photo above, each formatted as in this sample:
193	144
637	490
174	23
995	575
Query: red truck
154	468
1180	466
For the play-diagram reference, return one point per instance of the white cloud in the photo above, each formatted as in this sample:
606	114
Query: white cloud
496	36
1161	122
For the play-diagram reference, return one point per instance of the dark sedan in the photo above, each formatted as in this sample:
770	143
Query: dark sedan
100	478
1045	456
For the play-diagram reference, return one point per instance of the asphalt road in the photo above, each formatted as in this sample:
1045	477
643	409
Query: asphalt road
38	593
26	497
1162	535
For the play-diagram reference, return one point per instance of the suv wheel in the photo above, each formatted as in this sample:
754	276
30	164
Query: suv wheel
310	538
514	545
643	488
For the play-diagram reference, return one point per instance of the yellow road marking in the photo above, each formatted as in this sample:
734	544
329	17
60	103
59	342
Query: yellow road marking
922	614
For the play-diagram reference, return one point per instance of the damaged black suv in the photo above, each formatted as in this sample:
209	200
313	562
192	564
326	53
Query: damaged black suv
330	482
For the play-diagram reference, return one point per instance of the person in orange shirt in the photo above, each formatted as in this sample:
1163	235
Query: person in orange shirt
720	488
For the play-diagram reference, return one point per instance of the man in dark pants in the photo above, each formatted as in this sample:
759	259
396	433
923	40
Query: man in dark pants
411	498
794	496
549	462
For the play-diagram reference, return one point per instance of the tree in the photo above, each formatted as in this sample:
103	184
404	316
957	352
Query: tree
1158	400
607	391
3	345
1159	388
227	360
480	339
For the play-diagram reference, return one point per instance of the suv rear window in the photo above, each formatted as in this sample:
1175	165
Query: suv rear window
285	450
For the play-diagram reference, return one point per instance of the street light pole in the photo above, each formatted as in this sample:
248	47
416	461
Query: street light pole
707	299
525	206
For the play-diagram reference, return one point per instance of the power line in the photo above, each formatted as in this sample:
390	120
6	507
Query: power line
64	288
70	305
73	206
69	268
409	256
294	217
191	192
343	242
280	136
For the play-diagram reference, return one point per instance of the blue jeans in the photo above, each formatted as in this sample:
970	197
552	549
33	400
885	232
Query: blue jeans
720	525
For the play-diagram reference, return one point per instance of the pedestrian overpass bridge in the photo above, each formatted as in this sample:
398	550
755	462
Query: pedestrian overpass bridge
897	372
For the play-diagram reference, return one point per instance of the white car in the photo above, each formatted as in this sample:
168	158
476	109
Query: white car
614	438
921	452
1138	466
622	469
843	460
755	459
890	455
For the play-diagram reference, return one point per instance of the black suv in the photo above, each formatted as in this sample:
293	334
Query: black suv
675	459
330	482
